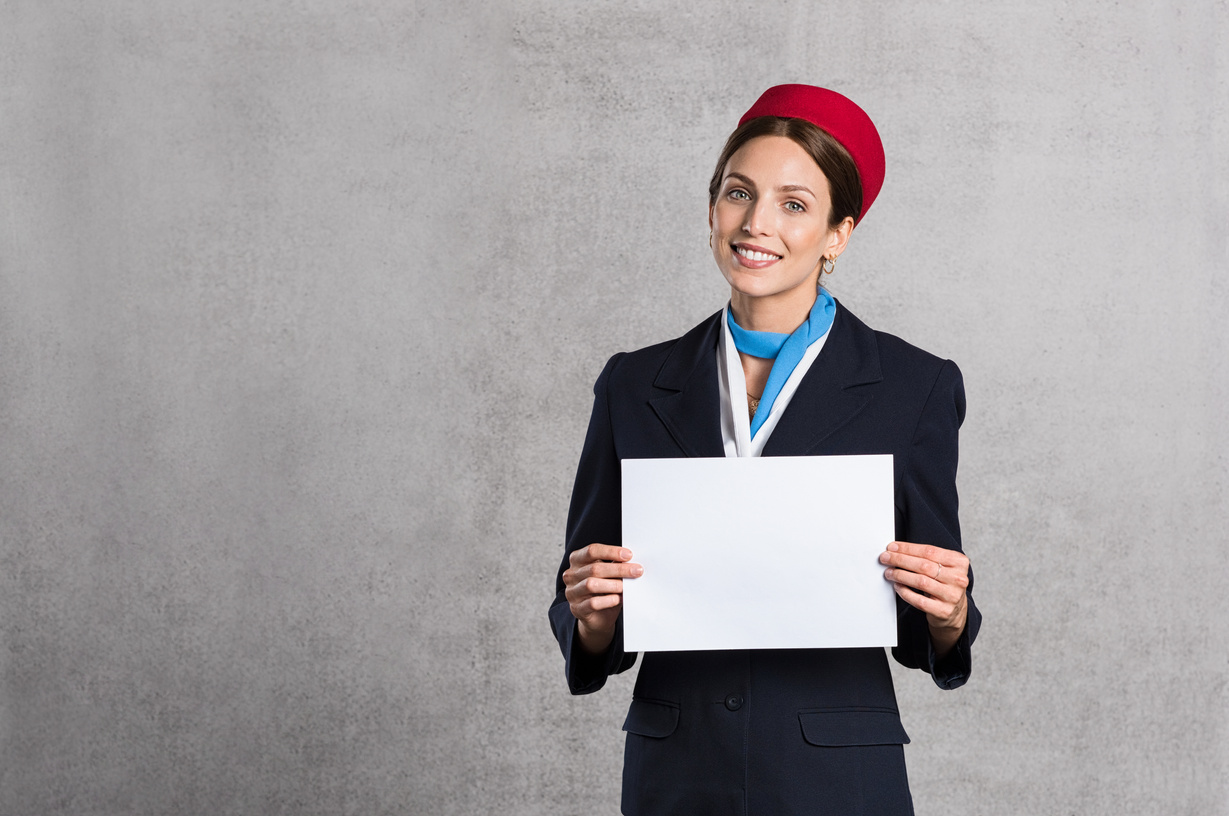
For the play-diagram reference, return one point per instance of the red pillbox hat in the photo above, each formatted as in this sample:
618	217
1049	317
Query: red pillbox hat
840	117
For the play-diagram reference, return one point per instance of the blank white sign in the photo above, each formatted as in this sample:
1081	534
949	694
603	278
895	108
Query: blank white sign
758	553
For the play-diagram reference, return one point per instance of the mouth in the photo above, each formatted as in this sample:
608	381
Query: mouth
754	254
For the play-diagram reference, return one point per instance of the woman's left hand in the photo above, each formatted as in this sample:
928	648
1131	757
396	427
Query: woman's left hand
934	580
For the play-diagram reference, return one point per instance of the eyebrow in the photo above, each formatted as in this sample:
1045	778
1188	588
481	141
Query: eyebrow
788	188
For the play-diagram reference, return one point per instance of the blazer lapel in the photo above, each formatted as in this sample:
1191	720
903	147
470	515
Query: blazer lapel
828	396
691	411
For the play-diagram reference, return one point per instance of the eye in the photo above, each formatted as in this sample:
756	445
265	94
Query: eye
739	195
795	206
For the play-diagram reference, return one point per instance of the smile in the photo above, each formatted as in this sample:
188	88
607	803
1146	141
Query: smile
753	255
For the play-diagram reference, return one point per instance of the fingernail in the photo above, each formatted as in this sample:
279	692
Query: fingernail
887	573
625	554
637	571
893	547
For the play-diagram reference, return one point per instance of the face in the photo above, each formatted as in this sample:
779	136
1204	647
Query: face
770	223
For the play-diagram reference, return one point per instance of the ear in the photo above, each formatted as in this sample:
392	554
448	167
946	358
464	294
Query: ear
838	238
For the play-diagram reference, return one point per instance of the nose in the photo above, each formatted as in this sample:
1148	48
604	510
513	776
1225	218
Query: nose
758	220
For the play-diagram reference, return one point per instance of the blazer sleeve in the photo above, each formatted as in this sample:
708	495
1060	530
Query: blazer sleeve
595	516
926	513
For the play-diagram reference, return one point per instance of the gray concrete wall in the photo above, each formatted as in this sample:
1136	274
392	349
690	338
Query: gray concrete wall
301	303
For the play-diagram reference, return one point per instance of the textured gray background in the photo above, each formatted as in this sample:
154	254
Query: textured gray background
300	307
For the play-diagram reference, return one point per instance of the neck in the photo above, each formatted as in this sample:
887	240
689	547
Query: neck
781	313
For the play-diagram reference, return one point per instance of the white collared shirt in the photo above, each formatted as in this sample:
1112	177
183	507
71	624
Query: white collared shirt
735	418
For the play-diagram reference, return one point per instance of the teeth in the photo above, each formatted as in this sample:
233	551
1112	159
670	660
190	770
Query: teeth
756	256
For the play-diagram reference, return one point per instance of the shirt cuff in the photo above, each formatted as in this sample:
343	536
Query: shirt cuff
952	670
586	672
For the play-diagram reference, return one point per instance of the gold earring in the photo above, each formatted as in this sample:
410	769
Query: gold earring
829	265
710	239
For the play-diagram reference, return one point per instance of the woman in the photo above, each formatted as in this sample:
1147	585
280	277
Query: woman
783	370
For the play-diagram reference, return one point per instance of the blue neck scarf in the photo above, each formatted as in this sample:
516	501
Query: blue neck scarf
785	350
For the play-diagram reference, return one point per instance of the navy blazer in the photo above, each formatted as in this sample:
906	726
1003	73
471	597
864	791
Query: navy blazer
812	731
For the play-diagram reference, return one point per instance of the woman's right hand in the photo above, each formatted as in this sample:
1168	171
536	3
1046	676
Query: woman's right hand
594	589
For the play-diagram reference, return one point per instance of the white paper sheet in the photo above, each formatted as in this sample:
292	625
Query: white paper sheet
758	553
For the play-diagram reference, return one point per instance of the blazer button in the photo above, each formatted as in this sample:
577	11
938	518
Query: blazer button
733	702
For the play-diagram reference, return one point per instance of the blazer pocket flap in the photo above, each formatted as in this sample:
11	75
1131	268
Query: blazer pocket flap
651	719
840	727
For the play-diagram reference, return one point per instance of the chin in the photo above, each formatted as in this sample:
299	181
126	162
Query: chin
754	291
759	287
750	289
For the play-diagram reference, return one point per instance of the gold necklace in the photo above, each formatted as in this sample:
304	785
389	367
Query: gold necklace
752	404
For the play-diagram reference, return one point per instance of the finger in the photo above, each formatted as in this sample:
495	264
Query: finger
940	555
953	575
600	569
599	552
931	606
595	603
924	583
603	602
593	586
606	569
603	586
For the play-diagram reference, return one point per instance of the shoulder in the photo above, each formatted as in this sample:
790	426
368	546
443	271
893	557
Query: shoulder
903	362
661	364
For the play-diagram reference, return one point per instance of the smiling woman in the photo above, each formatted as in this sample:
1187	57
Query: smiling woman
812	731
771	232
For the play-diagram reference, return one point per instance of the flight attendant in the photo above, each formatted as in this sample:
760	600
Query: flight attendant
783	370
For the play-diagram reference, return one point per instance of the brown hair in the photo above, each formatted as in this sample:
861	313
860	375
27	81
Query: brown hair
833	159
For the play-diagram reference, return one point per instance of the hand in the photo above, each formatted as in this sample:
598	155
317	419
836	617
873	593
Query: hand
594	589
934	580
